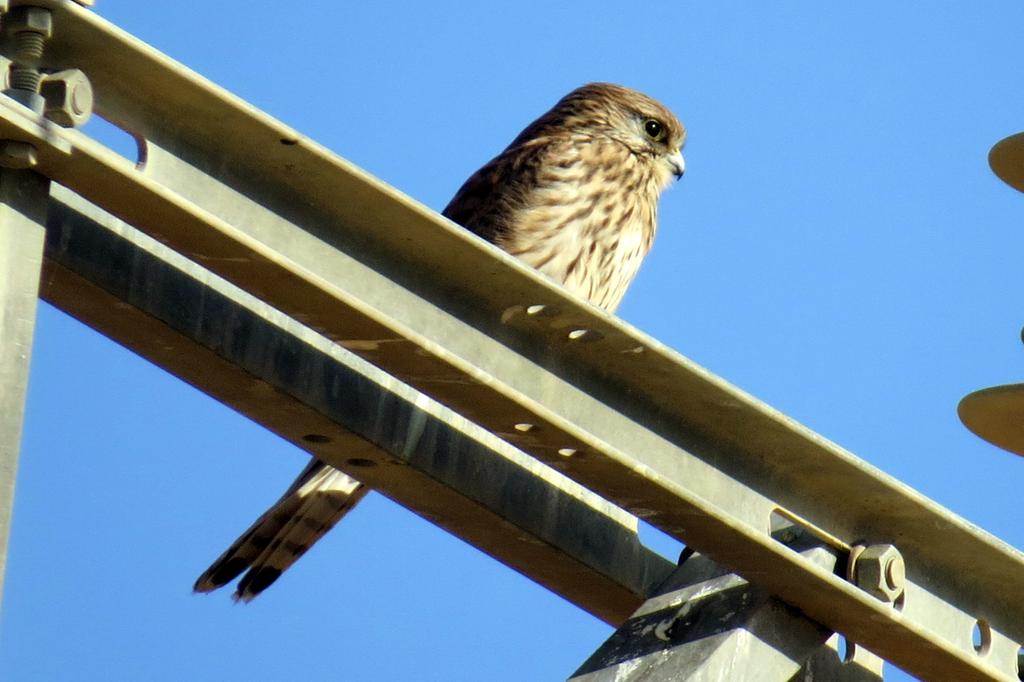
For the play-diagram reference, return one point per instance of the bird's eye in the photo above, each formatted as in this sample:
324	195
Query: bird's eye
654	129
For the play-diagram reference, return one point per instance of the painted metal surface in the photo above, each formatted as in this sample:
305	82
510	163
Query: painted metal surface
23	197
997	415
707	624
1007	160
383	276
322	398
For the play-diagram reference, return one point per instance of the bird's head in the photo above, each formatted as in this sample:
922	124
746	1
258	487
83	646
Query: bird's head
642	124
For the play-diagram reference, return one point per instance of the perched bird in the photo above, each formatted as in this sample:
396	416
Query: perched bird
575	196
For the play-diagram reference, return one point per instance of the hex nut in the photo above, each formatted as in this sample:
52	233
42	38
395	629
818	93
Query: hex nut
18	155
32	19
68	96
881	572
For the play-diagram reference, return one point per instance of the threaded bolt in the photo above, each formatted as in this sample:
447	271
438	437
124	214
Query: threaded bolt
28	50
28	45
25	78
30	27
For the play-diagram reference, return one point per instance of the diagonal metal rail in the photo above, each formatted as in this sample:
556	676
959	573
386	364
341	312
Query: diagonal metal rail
307	390
284	219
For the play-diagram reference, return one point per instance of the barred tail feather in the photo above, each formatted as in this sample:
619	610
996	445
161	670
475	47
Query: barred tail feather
312	505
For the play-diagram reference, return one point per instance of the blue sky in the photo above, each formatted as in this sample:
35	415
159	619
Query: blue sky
838	247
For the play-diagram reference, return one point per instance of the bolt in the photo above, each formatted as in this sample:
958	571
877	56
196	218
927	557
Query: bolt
15	154
30	26
880	571
27	18
68	97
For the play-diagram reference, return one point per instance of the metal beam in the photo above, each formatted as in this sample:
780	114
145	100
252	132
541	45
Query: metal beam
387	278
841	663
315	394
23	196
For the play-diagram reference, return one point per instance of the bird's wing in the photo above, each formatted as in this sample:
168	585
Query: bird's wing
311	506
488	201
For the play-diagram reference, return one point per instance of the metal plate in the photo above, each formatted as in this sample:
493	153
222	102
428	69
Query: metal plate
1007	161
996	414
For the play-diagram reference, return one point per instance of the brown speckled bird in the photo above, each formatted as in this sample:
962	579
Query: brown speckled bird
575	196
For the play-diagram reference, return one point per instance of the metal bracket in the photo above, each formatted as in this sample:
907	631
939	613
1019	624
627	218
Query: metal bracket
65	97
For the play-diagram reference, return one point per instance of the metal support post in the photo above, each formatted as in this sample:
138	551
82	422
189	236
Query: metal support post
705	623
23	198
24	195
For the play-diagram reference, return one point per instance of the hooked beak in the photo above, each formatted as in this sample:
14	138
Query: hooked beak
676	163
